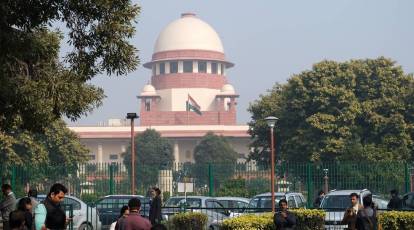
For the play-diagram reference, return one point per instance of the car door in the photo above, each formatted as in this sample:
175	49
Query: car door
291	202
77	214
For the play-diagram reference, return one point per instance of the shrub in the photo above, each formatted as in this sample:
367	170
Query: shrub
188	221
306	219
396	220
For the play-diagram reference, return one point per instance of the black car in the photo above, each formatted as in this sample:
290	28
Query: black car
109	207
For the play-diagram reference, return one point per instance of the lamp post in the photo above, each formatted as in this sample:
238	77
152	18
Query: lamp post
271	121
132	116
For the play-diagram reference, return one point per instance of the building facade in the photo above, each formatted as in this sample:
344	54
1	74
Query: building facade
188	95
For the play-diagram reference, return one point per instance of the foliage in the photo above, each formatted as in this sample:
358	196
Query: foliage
54	154
152	153
214	149
188	221
396	220
359	109
234	187
36	87
306	220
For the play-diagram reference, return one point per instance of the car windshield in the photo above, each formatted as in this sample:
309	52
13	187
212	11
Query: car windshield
176	202
264	202
336	202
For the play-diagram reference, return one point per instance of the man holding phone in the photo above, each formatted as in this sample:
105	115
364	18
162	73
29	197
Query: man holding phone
350	215
49	214
283	219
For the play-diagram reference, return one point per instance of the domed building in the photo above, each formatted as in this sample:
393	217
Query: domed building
187	96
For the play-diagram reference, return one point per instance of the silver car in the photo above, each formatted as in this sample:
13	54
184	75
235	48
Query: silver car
335	203
236	205
84	216
263	202
210	206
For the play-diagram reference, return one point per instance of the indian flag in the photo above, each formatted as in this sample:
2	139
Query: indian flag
192	105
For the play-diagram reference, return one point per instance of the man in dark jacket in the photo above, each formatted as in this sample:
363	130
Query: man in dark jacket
7	205
283	219
55	215
395	202
318	199
155	208
367	217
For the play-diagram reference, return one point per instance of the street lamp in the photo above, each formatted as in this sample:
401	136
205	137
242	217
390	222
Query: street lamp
271	121
132	116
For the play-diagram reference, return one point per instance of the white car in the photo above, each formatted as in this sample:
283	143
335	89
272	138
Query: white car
236	205
84	216
335	203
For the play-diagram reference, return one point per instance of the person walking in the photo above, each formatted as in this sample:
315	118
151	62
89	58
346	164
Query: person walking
155	208
25	205
134	221
350	215
16	221
49	214
124	213
318	199
283	219
32	194
395	201
367	217
7	205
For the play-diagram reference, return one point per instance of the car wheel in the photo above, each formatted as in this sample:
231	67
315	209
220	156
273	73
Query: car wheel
85	226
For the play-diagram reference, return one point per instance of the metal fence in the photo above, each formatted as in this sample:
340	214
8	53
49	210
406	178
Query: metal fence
91	181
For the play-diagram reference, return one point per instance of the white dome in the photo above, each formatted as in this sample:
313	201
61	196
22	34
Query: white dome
228	89
188	32
148	90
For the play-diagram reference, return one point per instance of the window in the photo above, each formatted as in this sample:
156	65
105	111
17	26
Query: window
173	67
202	67
162	68
291	202
147	104
113	157
187	66
71	202
222	69
91	157
214	67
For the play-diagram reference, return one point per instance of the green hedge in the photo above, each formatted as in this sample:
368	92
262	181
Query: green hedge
396	220
306	219
188	221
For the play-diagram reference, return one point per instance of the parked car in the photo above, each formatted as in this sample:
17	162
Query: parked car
84	216
109	207
214	210
263	202
380	202
335	203
408	201
236	205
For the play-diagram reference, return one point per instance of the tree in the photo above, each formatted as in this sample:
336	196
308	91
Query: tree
214	150
354	110
152	153
36	87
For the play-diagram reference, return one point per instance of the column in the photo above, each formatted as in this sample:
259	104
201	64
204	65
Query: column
176	152
100	154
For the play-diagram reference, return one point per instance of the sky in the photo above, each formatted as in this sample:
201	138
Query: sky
268	41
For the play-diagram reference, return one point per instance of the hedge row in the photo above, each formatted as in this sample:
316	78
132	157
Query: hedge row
187	221
396	220
314	219
306	219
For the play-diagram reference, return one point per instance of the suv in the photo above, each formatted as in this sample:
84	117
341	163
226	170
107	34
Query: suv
210	206
336	202
109	207
263	202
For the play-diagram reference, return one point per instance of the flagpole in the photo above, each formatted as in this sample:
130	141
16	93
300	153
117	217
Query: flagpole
187	105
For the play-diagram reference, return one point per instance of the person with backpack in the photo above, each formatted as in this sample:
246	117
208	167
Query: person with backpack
367	217
50	214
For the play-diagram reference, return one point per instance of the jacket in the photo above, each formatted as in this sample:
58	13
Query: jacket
367	219
283	223
7	205
350	217
155	210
